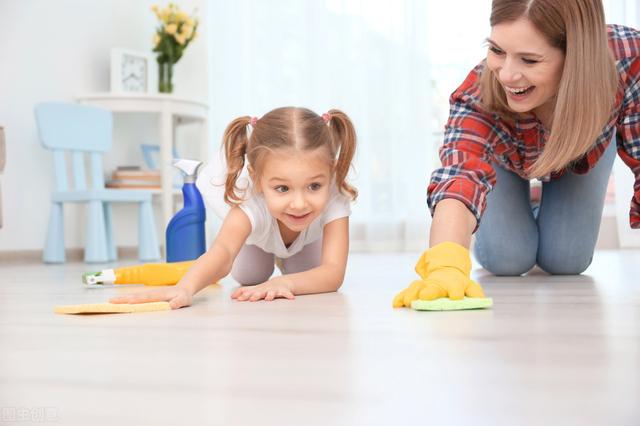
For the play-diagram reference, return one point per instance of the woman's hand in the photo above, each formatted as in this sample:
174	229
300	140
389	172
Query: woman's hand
444	271
177	297
278	287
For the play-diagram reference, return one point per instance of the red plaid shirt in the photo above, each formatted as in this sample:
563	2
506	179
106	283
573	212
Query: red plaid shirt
475	138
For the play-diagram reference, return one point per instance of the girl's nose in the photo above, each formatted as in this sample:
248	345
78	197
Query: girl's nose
298	201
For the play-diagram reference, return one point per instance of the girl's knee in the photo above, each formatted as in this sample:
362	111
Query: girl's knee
252	266
248	276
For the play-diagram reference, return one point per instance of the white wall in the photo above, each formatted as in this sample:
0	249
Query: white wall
56	50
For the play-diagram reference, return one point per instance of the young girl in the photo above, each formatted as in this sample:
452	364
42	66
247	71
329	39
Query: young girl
557	91
293	209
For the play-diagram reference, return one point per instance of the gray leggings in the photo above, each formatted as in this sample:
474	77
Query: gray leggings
255	266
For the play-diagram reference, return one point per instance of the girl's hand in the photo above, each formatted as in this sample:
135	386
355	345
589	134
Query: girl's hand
176	296
278	287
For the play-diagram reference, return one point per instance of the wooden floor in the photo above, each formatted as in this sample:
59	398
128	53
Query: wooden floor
552	351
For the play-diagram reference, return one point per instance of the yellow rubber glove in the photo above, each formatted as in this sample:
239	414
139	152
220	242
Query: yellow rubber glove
445	270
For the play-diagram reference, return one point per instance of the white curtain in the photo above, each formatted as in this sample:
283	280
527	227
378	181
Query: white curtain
368	58
625	12
390	65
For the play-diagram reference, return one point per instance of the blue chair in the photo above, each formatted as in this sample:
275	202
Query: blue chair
72	130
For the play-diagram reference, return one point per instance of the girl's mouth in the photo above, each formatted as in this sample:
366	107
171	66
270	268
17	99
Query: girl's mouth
298	218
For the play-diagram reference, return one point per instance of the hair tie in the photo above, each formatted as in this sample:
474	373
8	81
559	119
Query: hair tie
253	121
326	117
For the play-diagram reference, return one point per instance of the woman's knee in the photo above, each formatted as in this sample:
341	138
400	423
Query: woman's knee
509	267
507	258
564	263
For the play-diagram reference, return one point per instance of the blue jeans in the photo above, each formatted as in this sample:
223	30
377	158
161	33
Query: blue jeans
559	237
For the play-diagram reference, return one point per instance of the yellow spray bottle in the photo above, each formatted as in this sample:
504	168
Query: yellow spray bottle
147	274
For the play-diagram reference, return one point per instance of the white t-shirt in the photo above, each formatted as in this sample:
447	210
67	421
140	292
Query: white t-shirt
265	233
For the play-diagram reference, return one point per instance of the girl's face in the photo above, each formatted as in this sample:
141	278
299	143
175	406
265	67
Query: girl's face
295	186
526	65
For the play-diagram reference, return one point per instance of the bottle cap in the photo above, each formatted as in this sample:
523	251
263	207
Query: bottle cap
188	167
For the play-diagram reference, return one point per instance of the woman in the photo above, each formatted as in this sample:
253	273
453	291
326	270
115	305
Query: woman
557	91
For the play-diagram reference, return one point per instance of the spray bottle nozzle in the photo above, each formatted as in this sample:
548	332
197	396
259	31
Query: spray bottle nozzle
188	167
99	279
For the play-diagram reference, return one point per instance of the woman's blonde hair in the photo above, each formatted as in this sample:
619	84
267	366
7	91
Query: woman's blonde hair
587	89
288	128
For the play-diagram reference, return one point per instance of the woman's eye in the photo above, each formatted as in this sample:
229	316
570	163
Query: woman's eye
495	50
281	189
529	61
315	186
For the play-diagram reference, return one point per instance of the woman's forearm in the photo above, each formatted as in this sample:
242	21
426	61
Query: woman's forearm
452	221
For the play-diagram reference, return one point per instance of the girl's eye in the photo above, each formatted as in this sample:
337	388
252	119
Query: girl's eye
281	189
315	186
529	61
495	50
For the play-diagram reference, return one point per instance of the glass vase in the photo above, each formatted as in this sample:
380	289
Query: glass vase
165	85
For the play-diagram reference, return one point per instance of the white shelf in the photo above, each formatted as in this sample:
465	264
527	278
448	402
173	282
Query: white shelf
172	110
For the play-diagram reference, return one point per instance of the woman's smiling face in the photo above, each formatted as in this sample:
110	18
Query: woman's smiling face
526	65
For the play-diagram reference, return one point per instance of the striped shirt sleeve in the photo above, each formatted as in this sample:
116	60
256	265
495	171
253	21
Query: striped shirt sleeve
466	173
629	135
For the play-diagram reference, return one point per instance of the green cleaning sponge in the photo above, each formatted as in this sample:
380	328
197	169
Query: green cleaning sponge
446	304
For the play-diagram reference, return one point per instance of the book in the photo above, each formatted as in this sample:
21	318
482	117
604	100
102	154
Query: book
134	178
148	175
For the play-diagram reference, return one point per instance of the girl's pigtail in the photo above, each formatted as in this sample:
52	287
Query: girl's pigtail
344	139
235	141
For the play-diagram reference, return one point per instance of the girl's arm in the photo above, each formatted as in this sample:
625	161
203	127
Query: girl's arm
329	275
325	278
452	221
210	267
216	263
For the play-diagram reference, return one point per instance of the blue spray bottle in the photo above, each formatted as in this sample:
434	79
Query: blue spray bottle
185	232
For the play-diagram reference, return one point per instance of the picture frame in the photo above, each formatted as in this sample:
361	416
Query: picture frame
133	71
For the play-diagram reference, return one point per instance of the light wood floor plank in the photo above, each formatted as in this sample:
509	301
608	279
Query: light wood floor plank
553	350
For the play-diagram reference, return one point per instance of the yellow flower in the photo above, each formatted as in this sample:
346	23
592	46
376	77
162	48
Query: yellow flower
156	10
174	22
181	16
179	38
165	14
187	31
171	29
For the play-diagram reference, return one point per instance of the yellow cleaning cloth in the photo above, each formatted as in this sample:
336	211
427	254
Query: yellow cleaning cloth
112	308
